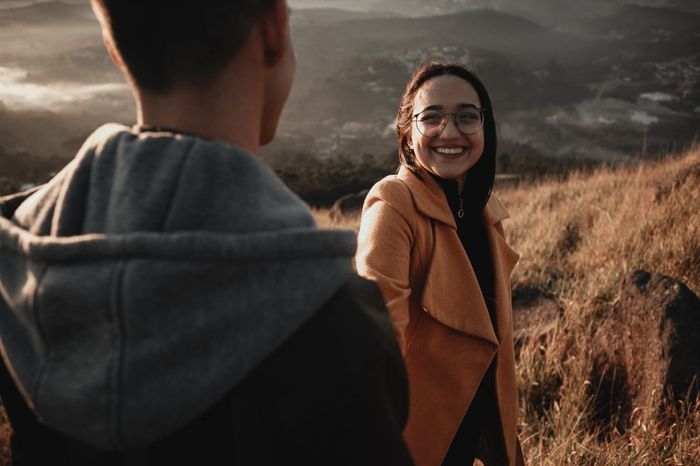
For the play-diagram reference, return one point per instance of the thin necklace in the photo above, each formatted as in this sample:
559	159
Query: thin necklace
460	212
161	129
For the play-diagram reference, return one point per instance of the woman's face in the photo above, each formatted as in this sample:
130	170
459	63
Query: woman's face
451	153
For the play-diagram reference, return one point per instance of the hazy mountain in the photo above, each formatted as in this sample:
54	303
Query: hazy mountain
48	13
349	5
692	6
568	79
311	17
641	21
552	12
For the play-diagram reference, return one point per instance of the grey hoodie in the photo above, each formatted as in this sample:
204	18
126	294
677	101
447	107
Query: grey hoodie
149	277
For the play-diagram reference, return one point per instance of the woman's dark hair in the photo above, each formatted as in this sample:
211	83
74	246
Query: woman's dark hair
166	43
481	176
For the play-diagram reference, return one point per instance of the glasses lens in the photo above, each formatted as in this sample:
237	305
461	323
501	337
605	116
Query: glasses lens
469	121
430	123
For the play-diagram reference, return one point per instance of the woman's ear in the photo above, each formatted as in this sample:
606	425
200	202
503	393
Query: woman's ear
274	27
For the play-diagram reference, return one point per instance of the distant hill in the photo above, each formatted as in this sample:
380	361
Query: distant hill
303	18
430	8
486	29
367	61
348	5
640	21
50	13
692	6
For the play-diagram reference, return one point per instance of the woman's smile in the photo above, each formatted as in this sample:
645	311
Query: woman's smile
451	152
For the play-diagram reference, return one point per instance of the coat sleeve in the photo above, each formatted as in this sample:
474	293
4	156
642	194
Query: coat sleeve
384	250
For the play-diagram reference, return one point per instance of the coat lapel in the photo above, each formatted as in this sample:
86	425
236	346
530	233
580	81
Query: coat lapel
428	196
451	293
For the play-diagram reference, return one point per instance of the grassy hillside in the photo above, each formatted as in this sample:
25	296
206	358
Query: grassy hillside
578	239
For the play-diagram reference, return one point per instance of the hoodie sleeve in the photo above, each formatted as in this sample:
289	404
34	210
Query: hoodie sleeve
384	249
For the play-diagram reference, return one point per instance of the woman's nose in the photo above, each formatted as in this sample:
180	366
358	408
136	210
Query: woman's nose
450	129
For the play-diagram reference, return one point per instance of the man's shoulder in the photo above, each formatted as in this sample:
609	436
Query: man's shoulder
353	321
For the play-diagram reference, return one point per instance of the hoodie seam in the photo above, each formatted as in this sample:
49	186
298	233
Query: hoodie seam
176	187
33	304
118	337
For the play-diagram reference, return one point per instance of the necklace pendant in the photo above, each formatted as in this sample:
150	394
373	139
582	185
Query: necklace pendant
460	212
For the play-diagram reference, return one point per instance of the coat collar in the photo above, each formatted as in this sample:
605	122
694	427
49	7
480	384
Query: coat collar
430	199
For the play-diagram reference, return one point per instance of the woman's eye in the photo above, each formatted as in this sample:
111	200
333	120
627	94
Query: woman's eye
468	116
431	118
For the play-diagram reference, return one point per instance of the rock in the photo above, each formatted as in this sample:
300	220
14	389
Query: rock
348	204
648	351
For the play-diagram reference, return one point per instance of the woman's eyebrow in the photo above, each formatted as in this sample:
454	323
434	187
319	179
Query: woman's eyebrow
459	106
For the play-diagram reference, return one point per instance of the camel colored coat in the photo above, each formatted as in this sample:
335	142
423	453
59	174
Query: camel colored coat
408	244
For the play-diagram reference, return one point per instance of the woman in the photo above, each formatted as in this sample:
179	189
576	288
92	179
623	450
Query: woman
431	237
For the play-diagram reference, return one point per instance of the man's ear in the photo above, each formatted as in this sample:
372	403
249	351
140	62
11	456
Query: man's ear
106	38
113	53
274	27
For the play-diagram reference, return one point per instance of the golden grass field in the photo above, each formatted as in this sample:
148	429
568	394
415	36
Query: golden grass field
578	238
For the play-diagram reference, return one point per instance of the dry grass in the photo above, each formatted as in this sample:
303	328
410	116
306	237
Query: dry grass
323	219
5	434
578	239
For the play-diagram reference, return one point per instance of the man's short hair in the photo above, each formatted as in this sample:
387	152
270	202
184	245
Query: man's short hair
165	43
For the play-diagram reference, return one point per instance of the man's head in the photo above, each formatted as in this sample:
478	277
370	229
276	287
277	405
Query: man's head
165	46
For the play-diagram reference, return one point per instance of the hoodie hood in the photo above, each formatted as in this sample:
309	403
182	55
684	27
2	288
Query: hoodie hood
149	277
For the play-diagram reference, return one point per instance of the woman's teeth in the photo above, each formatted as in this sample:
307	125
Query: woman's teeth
449	150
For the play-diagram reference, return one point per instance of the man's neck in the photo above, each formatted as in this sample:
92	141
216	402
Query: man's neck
226	112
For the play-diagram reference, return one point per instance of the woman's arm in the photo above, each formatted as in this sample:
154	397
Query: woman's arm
384	251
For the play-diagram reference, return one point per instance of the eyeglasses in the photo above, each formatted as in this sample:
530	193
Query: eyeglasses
468	120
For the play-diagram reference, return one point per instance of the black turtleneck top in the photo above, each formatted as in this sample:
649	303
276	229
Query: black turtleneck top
472	234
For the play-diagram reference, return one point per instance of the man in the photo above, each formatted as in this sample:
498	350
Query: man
165	299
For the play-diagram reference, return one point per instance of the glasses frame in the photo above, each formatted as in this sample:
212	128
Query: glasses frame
443	124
